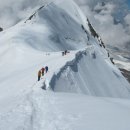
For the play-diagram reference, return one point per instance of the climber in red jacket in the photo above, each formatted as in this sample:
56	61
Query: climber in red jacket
43	70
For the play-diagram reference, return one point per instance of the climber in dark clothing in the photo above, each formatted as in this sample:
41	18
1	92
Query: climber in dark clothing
63	53
46	69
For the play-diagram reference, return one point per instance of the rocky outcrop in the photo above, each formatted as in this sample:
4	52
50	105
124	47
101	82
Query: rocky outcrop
1	29
126	74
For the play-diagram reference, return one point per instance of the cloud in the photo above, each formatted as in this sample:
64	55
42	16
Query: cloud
107	18
114	34
127	21
103	8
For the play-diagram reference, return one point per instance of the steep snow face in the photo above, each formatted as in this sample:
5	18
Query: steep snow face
92	74
50	28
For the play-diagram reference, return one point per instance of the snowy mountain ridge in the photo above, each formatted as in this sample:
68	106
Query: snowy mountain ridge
80	86
89	80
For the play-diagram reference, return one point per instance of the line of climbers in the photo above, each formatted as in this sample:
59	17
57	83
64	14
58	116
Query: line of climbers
65	52
42	72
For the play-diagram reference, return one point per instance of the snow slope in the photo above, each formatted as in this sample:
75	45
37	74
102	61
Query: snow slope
76	76
86	70
49	29
61	111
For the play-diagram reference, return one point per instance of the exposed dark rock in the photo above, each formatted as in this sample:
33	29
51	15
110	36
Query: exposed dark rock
112	60
85	31
95	34
30	17
34	14
126	73
41	7
92	30
1	29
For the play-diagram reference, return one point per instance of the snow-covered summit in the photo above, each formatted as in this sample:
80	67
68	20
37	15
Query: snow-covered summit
51	28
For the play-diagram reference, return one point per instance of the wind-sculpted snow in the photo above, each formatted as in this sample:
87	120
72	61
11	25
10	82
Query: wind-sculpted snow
89	74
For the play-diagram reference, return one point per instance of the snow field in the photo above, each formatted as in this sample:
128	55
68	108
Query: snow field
86	70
